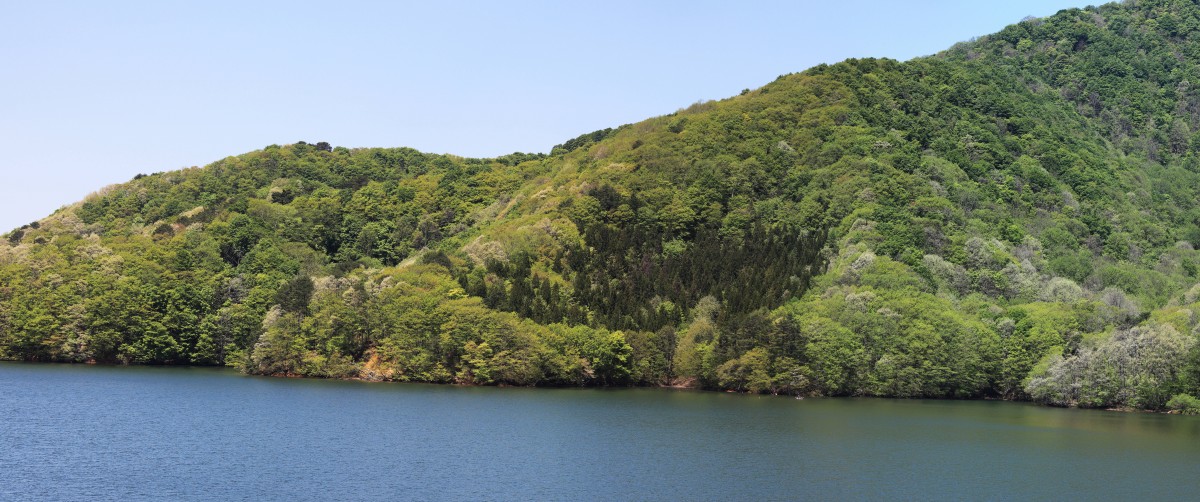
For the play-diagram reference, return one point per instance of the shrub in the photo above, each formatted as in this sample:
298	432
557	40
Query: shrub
1185	404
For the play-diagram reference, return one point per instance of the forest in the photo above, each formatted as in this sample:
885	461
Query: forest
1015	217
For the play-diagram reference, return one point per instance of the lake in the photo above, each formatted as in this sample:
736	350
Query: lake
120	433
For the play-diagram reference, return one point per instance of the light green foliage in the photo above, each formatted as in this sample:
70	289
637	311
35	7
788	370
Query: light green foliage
835	354
891	341
694	351
610	358
1028	334
748	373
1185	404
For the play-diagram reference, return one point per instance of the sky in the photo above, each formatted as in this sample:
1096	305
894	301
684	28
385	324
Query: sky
97	92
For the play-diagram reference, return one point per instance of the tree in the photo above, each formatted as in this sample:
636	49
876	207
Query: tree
612	359
295	294
748	373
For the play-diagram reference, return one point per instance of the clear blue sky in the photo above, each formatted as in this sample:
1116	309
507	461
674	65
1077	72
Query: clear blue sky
96	92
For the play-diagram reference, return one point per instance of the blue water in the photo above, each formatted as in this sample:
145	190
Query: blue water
113	433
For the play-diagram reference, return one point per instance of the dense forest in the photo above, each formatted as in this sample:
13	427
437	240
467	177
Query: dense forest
1016	217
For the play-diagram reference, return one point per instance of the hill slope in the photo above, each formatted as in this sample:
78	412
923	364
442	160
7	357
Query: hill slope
1015	217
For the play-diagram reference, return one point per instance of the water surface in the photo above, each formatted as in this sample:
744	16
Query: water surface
86	432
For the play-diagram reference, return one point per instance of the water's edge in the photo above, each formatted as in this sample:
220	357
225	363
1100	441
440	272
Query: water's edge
233	369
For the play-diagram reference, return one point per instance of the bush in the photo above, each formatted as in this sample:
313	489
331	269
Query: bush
1137	367
1185	404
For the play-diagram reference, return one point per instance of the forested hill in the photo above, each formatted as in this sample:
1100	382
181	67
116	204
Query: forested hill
1015	217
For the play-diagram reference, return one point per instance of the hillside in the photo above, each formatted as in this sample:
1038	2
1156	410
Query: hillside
1015	217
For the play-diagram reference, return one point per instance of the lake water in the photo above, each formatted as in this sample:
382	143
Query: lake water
84	432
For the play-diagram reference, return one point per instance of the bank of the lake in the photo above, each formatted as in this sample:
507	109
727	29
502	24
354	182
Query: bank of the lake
93	432
688	385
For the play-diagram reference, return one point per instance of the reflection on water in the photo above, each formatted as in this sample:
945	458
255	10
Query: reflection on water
119	433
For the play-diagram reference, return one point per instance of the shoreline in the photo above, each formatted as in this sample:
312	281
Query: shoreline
672	386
